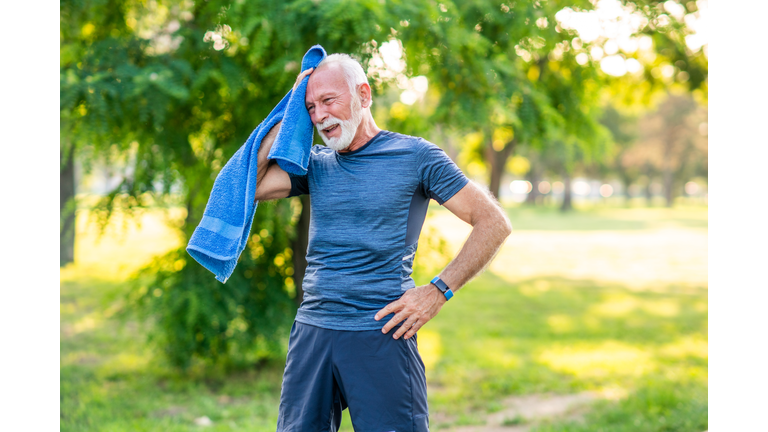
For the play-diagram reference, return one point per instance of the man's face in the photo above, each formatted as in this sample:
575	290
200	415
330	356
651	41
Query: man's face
335	112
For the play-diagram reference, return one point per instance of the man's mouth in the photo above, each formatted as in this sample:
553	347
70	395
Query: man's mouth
330	129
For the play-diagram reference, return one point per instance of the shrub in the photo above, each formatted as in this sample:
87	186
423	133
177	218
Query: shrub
192	318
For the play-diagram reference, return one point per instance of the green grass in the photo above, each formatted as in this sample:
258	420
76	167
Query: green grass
664	404
111	381
563	336
505	334
610	218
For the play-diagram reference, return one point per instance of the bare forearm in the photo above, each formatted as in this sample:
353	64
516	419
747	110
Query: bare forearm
483	244
262	163
271	181
419	305
490	227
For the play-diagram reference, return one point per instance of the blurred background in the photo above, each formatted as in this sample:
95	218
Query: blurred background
586	119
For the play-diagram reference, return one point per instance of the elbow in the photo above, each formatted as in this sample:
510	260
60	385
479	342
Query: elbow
264	196
503	224
498	223
506	227
261	194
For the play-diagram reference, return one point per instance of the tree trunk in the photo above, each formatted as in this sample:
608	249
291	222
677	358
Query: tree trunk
497	160
648	194
627	195
566	206
67	208
300	248
648	191
626	183
669	182
535	180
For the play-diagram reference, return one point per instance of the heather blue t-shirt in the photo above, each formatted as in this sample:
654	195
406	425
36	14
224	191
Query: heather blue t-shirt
367	210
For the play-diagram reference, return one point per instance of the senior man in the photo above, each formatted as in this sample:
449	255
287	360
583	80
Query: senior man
369	192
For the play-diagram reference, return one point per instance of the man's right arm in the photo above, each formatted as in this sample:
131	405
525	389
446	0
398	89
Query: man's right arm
271	181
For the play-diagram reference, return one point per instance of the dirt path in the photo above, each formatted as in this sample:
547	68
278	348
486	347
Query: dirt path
521	413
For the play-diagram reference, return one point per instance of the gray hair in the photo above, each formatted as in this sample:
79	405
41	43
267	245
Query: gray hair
350	68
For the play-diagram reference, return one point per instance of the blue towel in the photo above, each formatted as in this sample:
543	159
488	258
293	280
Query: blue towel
223	232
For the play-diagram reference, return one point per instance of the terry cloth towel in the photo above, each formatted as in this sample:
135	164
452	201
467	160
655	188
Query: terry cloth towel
220	238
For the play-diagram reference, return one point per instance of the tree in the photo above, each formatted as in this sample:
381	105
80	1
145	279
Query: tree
624	131
67	207
168	90
506	72
637	68
671	143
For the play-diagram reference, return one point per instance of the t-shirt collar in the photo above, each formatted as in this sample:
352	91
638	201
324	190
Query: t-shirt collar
358	150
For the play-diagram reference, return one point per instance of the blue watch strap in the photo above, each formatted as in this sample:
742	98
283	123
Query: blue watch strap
448	294
443	287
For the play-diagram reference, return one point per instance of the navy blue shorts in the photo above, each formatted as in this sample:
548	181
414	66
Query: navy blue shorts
379	378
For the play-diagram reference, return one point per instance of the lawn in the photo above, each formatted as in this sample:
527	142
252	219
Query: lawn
608	300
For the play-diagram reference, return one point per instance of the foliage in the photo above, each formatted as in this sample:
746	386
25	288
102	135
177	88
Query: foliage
669	142
514	75
198	319
431	257
670	64
496	74
670	135
143	88
145	78
624	130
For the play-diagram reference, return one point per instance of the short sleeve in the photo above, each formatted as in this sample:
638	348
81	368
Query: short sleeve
440	178
299	186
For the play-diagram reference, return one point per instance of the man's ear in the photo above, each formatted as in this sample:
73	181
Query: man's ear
364	91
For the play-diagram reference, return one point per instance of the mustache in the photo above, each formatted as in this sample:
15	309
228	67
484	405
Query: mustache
330	121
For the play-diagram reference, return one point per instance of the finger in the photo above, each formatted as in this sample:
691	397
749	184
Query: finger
412	331
388	309
393	322
301	77
405	327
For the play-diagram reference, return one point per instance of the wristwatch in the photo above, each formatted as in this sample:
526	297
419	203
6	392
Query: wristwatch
442	287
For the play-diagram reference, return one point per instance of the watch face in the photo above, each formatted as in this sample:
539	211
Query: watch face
440	284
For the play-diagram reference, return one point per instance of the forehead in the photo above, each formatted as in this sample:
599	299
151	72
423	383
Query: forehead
326	80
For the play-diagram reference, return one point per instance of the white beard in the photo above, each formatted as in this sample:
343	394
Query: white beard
348	127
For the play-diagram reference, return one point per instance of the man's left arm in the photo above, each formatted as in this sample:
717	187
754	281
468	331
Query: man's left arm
490	227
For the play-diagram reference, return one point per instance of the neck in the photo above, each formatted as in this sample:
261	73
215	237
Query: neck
365	132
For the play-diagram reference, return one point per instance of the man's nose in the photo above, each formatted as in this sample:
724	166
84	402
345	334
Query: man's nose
318	116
